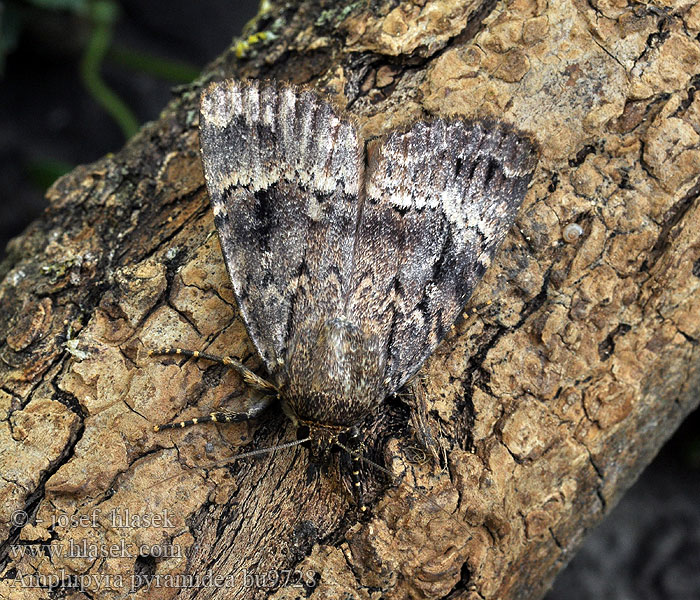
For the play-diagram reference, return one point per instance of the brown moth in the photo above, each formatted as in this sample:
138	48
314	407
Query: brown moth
348	267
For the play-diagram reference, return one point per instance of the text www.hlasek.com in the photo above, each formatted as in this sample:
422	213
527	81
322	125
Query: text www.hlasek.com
85	549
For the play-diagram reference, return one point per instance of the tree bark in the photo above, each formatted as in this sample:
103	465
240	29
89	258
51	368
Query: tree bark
548	402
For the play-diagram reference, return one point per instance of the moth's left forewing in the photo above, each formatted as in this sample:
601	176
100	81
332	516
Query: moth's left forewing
283	168
440	198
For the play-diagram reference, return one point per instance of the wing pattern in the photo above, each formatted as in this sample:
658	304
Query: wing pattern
440	199
283	173
309	236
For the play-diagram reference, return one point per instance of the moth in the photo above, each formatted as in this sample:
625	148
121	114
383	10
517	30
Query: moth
349	259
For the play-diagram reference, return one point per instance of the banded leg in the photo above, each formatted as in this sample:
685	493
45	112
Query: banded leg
355	444
249	377
222	417
475	310
356	482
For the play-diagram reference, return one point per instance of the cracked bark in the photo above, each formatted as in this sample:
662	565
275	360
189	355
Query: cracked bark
583	365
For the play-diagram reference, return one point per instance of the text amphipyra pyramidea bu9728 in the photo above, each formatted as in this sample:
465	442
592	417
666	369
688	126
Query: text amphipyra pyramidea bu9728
348	266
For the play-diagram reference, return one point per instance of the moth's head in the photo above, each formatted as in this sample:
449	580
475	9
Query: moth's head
324	440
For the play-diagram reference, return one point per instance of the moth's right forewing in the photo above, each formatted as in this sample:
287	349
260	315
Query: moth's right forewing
284	172
441	197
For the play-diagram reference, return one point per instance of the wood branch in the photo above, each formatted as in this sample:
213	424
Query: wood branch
548	402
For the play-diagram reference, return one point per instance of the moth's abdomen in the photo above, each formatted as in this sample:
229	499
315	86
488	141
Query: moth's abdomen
335	374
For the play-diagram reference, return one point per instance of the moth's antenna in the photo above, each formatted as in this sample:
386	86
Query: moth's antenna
270	449
366	460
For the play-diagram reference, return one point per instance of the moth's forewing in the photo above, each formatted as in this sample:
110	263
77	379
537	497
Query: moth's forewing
441	197
283	172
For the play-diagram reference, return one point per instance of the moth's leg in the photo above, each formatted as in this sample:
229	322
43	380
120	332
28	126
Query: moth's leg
249	377
470	311
254	410
355	444
357	484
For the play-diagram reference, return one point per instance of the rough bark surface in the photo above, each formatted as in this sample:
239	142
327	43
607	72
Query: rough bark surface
548	402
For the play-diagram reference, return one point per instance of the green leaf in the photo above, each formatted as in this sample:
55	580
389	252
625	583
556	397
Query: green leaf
43	172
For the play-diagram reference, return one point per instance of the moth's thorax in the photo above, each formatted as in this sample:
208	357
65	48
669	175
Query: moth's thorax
334	374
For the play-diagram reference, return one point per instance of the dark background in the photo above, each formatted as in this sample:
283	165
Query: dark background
649	546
